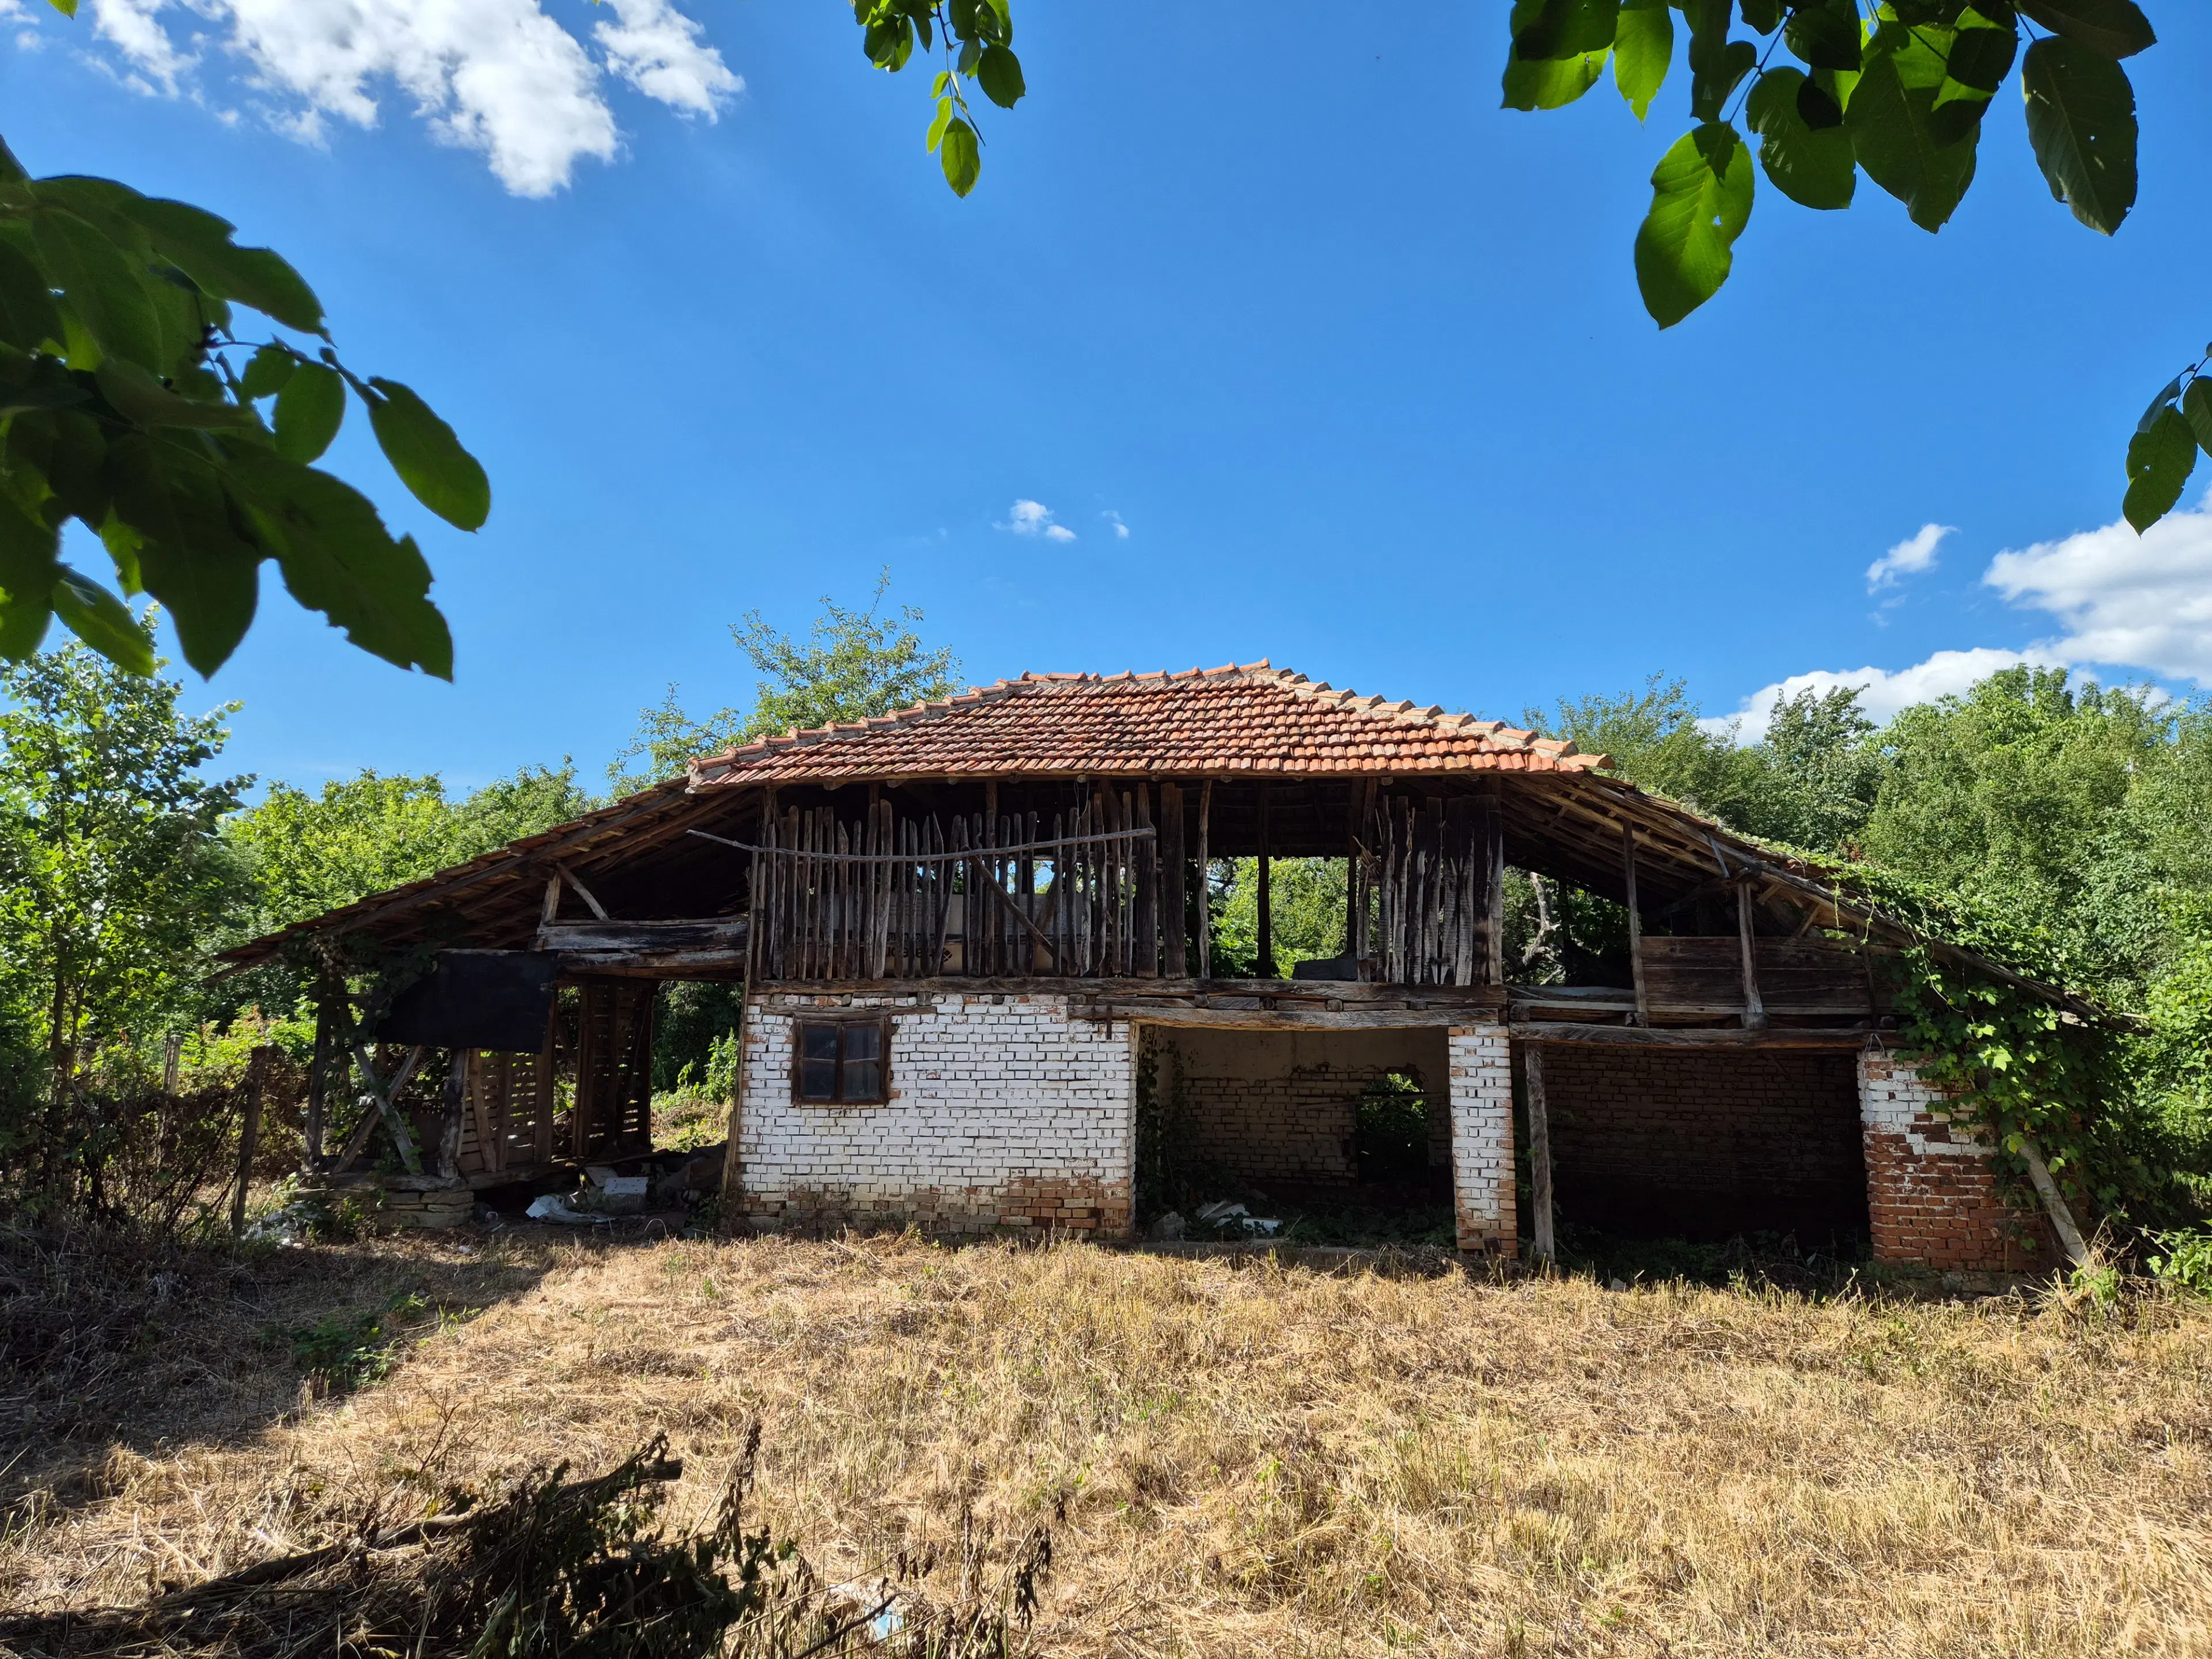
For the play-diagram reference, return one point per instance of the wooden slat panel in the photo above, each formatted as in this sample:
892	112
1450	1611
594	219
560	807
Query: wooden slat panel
1794	975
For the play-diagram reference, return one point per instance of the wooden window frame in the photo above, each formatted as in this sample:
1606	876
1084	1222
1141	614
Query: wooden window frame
880	1023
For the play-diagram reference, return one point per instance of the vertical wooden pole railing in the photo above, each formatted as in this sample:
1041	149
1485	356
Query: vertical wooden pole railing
882	896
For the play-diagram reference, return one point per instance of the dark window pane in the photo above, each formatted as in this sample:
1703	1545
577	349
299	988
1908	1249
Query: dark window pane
818	1079
864	1041
864	1079
818	1043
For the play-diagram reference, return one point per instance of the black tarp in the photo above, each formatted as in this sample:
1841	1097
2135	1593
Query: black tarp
476	999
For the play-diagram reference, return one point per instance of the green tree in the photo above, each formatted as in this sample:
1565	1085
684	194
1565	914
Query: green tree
1656	741
309	853
1817	771
113	872
852	665
2026	794
1305	913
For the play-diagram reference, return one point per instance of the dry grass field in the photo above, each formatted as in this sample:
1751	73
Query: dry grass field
1235	1458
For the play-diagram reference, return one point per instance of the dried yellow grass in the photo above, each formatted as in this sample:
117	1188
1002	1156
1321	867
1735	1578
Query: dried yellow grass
1246	1460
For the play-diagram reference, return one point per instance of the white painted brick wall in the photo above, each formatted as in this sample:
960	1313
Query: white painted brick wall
1482	1136
993	1097
1892	1095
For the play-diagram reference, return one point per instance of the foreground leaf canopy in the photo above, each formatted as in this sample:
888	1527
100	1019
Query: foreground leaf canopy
129	403
1833	89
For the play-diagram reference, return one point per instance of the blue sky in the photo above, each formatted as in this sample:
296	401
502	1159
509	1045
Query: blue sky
1355	356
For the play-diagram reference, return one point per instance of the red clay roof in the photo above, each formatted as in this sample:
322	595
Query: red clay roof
1249	718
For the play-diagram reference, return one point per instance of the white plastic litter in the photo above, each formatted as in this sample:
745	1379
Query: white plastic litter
553	1208
879	1600
1223	1213
288	1228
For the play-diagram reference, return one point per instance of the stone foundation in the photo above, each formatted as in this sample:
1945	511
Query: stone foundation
1933	1197
1004	1114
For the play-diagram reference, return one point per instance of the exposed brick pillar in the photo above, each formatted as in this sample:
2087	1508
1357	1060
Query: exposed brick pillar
1932	1197
1482	1138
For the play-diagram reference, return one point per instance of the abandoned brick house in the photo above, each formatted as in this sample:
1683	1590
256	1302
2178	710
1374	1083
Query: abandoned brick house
975	943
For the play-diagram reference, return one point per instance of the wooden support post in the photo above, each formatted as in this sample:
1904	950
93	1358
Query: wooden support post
591	1006
249	1136
1175	897
1144	855
551	908
1635	922
1754	1011
1352	825
545	1076
1493	921
449	1132
173	1054
1539	1149
489	1122
2054	1204
329	989
380	1099
733	1168
1265	968
1205	884
583	892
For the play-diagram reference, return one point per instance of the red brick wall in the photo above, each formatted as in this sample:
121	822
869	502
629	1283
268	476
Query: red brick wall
1934	1198
1283	1106
1707	1144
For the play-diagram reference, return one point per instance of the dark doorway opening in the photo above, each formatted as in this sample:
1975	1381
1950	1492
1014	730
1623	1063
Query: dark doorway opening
1708	1146
1335	1136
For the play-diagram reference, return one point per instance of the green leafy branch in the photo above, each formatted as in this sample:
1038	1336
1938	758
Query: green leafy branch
2163	452
121	408
1896	92
976	38
2017	1067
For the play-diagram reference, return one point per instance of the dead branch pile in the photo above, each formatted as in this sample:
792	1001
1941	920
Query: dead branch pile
563	1569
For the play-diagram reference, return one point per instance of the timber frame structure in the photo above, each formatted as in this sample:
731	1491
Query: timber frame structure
1045	841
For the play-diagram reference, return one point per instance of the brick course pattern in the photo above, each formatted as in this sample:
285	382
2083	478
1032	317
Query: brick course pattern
1934	1198
1483	1196
1005	1113
1283	1106
1707	1144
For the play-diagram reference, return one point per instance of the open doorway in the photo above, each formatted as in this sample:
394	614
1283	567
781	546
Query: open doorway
1708	1146
1335	1137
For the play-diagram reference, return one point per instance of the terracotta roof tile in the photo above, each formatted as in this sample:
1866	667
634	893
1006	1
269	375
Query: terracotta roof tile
1237	718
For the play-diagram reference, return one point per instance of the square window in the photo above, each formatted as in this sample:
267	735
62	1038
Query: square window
841	1062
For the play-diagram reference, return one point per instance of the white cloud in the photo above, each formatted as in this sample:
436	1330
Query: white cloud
1029	518
498	76
664	54
1121	530
1909	557
1882	691
2124	601
2128	600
